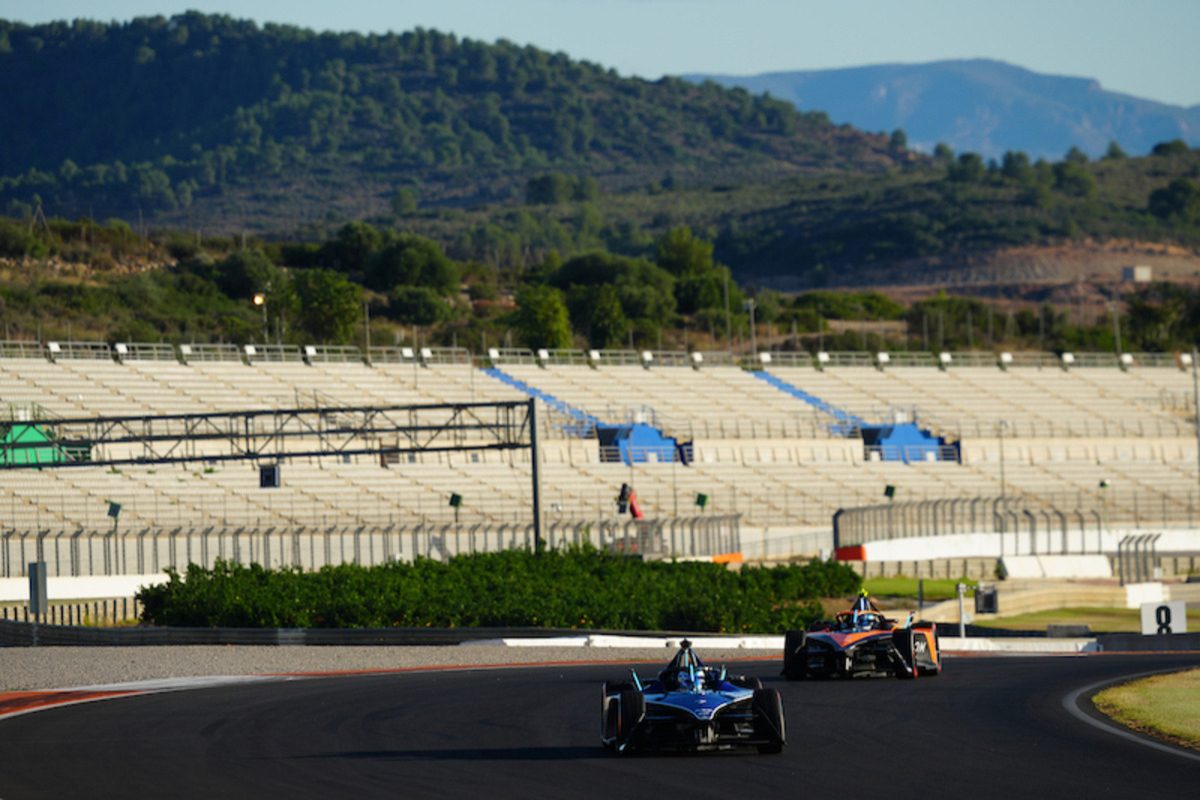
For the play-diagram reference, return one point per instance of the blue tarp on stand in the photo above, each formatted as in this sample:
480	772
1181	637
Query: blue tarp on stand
904	441
638	443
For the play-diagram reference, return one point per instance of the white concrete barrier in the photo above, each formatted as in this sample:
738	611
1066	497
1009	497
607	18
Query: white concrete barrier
1094	566
1138	593
1021	543
88	587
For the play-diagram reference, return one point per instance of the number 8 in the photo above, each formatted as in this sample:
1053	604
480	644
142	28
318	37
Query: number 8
1162	615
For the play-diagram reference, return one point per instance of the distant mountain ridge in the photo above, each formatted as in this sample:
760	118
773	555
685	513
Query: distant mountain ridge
982	106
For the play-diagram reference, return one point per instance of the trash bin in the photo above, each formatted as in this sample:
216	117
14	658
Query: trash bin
986	601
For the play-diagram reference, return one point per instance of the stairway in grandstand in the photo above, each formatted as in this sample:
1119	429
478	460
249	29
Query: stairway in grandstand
847	424
583	424
632	442
898	440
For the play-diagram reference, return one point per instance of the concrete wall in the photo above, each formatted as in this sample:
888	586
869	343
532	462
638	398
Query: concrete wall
16	590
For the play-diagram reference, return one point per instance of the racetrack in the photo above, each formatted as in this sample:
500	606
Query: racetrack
988	727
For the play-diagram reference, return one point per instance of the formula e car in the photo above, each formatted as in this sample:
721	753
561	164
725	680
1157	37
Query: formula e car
690	706
862	642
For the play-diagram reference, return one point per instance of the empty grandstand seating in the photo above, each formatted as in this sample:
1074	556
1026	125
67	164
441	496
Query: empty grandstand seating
1055	433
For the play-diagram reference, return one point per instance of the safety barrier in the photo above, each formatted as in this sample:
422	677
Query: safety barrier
1078	521
152	550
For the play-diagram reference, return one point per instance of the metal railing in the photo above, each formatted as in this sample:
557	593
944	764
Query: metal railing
1137	557
141	351
1081	426
86	351
332	354
273	353
210	352
150	550
1052	523
910	454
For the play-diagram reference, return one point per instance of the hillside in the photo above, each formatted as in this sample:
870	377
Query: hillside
982	106
210	122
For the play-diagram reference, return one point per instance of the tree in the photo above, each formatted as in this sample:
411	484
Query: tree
1114	152
1179	200
417	305
1175	147
1071	177
243	274
549	189
541	318
646	291
329	305
608	324
681	253
354	244
412	260
404	202
1076	156
898	140
968	169
1015	166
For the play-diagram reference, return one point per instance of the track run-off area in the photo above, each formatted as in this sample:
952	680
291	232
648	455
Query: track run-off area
988	727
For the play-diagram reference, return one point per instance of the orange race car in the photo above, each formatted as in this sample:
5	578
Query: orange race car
862	642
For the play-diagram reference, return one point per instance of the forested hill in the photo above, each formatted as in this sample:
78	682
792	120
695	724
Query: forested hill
219	122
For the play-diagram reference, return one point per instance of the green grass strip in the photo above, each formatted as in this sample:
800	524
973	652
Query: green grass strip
1164	706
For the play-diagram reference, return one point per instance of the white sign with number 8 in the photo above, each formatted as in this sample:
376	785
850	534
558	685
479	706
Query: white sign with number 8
1164	617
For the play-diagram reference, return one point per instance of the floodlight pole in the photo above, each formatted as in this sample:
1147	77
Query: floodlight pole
1196	406
536	472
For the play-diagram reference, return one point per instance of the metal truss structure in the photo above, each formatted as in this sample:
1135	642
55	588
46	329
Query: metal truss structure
273	435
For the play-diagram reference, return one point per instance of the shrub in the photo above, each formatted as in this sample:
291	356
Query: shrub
577	588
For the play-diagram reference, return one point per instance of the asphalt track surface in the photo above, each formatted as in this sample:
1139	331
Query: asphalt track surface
986	728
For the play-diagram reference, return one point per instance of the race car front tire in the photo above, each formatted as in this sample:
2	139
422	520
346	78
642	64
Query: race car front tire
769	725
631	711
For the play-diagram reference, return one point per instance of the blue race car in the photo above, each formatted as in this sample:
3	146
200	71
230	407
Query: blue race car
691	707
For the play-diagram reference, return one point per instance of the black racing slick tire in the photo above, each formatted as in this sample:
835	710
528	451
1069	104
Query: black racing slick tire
902	644
769	726
793	655
745	681
631	711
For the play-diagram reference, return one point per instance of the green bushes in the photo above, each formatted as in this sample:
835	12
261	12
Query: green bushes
580	588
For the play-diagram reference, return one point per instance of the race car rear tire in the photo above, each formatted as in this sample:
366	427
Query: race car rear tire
793	655
767	707
745	681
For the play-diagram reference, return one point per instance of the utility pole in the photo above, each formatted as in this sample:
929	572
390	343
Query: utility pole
728	324
1196	407
753	333
536	475
367	330
1116	320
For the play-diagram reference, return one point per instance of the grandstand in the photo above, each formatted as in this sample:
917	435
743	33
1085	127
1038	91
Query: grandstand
784	443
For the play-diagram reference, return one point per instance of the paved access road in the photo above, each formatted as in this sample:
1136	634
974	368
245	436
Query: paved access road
986	728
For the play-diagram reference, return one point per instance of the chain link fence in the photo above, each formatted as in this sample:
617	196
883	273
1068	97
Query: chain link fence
151	550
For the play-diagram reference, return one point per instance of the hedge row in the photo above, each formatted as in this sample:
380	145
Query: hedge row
581	588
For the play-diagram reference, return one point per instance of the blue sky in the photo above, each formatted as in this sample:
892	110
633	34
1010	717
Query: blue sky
1147	48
